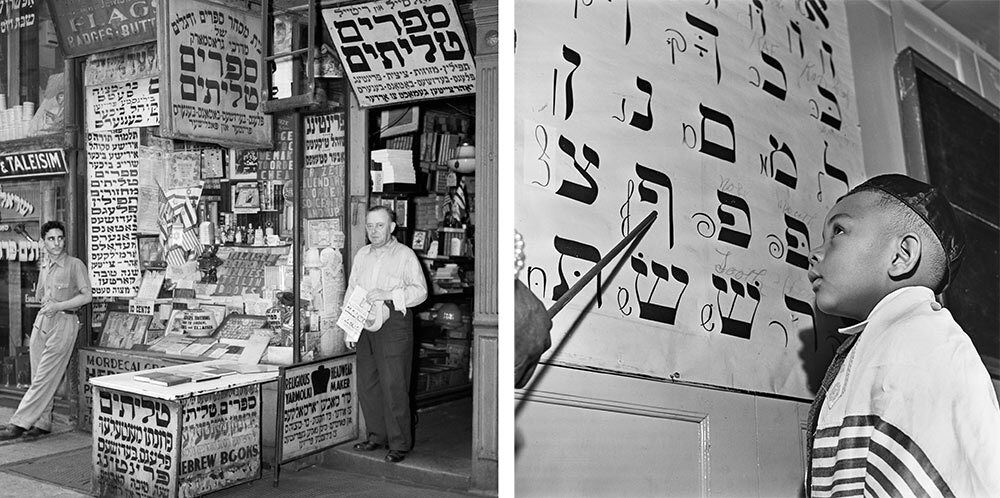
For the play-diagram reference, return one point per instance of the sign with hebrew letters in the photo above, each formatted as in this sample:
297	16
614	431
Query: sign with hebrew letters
212	84
319	408
136	445
397	52
113	200
735	122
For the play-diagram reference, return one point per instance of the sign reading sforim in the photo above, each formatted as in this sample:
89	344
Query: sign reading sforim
32	164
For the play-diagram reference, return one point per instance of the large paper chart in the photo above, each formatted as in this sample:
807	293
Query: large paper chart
736	123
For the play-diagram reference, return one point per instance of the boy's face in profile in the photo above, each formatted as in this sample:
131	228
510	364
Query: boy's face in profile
849	271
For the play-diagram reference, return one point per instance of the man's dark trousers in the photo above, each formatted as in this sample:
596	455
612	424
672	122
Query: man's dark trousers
385	360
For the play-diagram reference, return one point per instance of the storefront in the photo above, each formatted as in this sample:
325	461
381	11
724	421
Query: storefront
221	161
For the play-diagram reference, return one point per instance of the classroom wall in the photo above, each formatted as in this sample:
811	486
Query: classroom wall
598	433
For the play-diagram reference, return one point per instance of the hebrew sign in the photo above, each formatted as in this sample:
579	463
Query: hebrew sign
400	51
212	85
735	123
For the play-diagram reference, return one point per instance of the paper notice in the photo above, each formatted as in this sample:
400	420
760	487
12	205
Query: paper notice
354	313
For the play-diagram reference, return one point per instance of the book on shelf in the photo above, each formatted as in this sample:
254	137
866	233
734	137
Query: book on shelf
162	378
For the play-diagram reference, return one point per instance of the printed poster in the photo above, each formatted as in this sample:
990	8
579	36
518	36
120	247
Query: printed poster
113	200
736	124
395	52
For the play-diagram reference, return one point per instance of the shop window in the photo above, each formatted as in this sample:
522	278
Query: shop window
32	82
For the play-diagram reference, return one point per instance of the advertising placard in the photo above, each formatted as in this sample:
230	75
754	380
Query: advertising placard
212	85
397	52
319	406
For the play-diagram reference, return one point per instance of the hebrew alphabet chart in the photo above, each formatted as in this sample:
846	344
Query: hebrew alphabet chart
401	51
736	123
213	84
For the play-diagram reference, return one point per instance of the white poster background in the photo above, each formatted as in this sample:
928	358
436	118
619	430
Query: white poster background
113	201
694	110
396	51
127	104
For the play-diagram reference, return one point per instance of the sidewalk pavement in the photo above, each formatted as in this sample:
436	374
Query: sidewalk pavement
312	481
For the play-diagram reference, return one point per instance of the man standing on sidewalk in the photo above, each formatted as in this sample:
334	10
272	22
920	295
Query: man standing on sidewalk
63	287
391	274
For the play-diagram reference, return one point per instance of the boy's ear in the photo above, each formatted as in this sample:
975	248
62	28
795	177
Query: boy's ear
905	257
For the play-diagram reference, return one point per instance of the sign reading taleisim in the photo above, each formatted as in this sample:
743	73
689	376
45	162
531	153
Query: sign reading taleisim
32	164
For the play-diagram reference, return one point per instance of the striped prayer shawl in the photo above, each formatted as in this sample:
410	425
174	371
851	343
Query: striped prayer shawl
867	456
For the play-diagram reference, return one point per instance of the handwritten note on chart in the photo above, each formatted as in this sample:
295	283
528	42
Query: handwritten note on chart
113	200
735	123
400	51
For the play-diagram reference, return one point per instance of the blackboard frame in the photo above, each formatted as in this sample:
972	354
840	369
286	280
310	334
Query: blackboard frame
910	67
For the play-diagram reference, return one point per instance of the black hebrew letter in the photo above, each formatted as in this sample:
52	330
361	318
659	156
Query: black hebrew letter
427	41
798	32
575	191
760	10
649	310
444	19
571	56
712	30
413	15
649	195
803	307
383	48
832	170
644	122
356	60
727	234
713	148
388	19
790	180
815	10
343	26
800	259
234	68
577	250
827	53
771	87
732	326
454	51
833	122
105	408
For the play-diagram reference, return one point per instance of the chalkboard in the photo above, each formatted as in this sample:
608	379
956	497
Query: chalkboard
952	140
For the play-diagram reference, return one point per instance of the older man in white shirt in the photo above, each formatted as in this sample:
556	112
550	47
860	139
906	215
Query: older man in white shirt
392	276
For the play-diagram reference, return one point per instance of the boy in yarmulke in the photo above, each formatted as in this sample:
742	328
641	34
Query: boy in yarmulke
906	407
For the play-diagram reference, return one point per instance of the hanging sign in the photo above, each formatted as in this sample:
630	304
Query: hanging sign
32	164
87	27
211	87
397	52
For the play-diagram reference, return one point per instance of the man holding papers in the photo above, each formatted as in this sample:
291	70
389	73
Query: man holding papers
385	280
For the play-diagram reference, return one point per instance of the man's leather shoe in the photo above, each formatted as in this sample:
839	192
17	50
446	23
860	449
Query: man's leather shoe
35	433
11	432
367	446
395	456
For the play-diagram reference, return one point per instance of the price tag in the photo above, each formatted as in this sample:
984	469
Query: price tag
140	307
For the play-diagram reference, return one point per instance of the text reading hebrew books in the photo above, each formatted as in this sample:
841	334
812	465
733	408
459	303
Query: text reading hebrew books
402	51
736	123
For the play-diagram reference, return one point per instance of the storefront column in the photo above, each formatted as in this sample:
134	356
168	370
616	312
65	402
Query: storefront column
484	429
